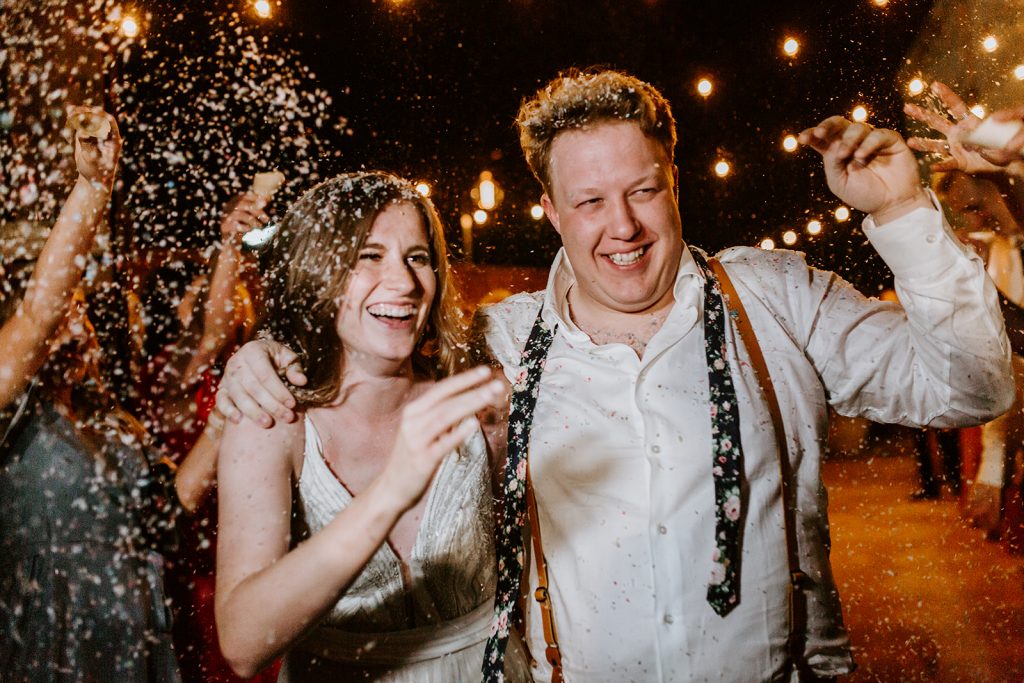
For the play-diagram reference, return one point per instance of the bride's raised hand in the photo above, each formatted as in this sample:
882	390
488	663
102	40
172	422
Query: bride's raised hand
432	426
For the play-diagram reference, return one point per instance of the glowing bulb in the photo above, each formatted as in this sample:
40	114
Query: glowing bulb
768	243
1018	72
978	110
789	143
791	46
859	113
916	86
262	8
789	237
466	221
423	189
479	216
813	227
704	87
990	43
722	168
129	27
842	214
537	212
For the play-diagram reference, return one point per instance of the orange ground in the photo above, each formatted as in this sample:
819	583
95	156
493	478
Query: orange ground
926	598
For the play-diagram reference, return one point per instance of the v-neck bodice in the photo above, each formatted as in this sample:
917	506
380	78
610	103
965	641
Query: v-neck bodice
452	560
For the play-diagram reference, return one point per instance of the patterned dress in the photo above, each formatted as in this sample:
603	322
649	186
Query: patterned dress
81	595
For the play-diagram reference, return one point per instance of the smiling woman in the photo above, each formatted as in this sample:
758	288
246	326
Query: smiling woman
396	579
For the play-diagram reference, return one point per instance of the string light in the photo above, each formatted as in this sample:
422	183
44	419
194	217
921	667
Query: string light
704	87
479	216
842	214
979	111
790	46
1018	72
789	143
767	243
916	86
859	113
262	8
990	44
789	237
722	168
129	27
537	212
813	227
423	189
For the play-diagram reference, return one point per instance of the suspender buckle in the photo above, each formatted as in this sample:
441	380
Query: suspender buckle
541	594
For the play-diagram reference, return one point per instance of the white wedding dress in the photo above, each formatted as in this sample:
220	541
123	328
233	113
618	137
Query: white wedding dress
433	630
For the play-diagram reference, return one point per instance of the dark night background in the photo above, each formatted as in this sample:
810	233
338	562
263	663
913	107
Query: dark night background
430	89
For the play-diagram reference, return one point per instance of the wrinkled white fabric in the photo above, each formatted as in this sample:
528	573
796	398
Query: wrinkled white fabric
620	448
449	600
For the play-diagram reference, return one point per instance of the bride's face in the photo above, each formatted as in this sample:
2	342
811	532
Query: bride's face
389	293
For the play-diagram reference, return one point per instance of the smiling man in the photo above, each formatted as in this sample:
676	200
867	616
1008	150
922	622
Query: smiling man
670	520
652	454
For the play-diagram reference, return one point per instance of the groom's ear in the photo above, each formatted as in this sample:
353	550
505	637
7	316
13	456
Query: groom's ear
550	211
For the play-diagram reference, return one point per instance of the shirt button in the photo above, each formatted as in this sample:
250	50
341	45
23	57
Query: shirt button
662	529
930	239
669	619
655	449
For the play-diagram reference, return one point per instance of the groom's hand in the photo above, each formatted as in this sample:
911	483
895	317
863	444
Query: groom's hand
252	386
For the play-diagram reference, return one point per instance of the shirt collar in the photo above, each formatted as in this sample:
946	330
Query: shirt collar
688	286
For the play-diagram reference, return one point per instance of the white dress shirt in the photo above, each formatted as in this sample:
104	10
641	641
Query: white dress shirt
620	452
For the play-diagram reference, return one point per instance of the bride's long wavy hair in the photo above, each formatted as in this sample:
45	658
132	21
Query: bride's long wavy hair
309	263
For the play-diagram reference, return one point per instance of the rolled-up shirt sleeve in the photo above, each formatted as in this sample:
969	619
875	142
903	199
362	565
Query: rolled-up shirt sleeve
943	359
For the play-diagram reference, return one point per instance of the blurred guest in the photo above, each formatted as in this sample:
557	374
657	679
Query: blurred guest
80	580
192	323
983	202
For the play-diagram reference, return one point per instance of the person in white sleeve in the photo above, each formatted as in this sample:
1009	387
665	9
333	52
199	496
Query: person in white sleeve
670	544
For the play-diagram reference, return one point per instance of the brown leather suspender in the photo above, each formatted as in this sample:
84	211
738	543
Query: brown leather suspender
542	595
797	610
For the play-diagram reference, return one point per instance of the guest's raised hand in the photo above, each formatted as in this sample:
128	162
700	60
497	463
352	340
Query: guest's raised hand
97	144
432	426
252	387
952	149
871	169
242	214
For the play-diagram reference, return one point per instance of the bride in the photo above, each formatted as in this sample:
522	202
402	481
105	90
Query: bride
385	480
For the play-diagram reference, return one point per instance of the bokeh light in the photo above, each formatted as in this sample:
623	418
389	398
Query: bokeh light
789	143
479	216
704	87
916	86
722	168
767	243
990	44
789	237
842	214
536	212
979	111
814	227
423	189
790	46
129	26
262	8
1018	72
859	113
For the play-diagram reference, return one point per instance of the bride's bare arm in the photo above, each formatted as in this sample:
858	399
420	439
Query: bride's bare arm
268	595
